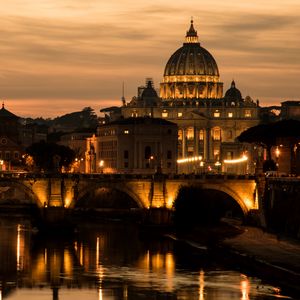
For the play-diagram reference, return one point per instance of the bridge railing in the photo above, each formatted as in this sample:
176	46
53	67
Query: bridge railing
31	175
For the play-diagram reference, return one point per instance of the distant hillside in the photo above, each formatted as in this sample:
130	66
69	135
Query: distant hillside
72	121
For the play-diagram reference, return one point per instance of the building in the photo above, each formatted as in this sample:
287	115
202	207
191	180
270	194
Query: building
191	95
290	110
141	145
10	146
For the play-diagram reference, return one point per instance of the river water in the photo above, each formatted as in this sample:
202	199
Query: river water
115	261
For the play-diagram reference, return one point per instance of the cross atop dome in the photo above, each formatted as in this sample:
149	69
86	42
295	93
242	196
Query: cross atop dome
191	34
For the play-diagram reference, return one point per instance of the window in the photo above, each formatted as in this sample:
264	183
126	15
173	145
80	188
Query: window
247	113
217	114
201	135
147	152
169	165
125	164
217	134
7	155
179	115
169	154
134	114
230	115
16	155
126	131
165	114
126	154
229	155
180	135
229	134
216	154
190	133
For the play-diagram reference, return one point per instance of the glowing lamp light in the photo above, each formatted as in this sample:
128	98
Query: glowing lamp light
101	163
189	159
236	161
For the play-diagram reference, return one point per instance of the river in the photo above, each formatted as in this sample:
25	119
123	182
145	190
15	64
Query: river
114	261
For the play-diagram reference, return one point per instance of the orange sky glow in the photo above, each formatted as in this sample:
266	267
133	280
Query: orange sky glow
59	56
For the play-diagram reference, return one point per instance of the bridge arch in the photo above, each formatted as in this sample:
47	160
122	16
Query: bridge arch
230	192
120	187
221	188
21	186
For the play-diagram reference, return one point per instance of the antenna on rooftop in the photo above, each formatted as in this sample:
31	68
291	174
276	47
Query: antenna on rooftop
123	94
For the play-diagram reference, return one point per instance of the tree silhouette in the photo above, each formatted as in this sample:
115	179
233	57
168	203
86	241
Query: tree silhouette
51	157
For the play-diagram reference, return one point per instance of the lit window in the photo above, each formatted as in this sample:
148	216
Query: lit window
190	133
164	114
247	113
126	131
217	114
229	155
201	135
217	134
230	115
217	154
180	135
179	115
229	134
134	114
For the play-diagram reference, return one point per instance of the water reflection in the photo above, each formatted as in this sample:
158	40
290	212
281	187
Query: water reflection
114	262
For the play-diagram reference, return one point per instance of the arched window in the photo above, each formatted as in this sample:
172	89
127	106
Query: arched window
216	134
201	135
190	133
147	152
180	135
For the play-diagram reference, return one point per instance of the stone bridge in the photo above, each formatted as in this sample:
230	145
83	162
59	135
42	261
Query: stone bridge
148	191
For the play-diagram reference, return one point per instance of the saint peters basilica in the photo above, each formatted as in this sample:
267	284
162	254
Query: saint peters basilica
209	121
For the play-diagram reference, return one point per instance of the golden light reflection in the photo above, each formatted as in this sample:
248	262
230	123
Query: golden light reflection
20	248
68	265
81	254
201	285
100	294
39	270
125	292
45	257
97	253
245	287
170	270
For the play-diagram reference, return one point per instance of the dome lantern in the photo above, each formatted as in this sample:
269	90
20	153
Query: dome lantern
191	34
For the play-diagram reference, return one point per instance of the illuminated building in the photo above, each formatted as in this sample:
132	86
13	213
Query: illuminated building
10	148
191	95
141	145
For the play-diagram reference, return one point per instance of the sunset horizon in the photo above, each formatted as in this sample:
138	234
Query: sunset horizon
58	58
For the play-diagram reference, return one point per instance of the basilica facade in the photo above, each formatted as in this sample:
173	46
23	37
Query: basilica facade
191	95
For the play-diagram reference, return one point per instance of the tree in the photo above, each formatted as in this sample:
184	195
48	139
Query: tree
50	156
266	135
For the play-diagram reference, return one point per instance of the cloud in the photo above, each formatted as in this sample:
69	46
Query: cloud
75	49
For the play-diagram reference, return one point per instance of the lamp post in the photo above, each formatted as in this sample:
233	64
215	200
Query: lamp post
101	165
277	153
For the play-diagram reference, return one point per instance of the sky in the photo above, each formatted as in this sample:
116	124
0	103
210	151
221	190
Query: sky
59	56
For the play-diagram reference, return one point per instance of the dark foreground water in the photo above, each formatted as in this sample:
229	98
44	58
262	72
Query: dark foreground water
116	261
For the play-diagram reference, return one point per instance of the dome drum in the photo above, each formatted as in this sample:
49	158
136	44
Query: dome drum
185	90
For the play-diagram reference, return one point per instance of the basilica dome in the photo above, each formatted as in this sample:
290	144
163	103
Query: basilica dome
233	93
191	72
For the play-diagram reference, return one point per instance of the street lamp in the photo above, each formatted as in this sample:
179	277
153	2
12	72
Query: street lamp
277	153
101	165
151	158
